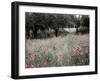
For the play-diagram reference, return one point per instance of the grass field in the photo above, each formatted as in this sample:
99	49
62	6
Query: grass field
70	50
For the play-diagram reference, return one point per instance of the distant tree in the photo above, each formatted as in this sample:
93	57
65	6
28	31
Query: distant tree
85	20
28	24
76	20
35	22
52	23
56	21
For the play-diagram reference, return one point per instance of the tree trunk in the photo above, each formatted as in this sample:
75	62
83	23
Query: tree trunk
27	32
56	32
77	30
35	32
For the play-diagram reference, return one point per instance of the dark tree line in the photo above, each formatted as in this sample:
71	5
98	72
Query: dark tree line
35	22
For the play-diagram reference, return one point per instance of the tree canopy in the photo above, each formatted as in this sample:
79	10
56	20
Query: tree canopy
35	22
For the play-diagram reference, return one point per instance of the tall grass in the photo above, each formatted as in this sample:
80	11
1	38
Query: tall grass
57	51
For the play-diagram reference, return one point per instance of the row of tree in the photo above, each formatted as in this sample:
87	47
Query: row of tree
35	22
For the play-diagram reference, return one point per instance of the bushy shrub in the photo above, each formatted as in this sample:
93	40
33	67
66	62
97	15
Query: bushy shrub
83	29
